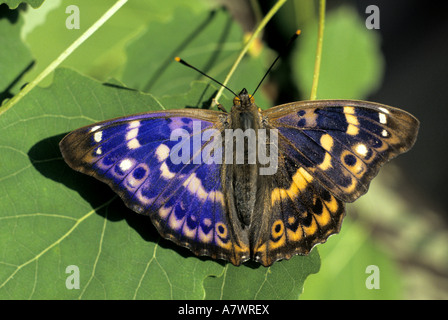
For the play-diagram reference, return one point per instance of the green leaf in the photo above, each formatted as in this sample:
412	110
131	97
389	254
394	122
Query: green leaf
13	4
352	64
103	54
53	217
283	280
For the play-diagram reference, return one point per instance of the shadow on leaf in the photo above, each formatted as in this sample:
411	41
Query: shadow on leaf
47	160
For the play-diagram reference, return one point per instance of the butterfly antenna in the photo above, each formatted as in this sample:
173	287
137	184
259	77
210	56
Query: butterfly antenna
203	73
294	37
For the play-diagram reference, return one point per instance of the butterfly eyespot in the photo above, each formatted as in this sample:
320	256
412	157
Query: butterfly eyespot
350	160
277	229
221	230
139	173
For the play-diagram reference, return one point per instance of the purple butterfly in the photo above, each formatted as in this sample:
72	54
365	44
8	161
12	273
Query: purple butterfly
280	196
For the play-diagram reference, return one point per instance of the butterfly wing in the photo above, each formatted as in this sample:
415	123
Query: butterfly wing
329	151
185	197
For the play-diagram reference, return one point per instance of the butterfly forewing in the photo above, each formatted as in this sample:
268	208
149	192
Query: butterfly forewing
343	143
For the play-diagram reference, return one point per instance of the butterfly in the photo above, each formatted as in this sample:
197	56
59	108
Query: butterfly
324	153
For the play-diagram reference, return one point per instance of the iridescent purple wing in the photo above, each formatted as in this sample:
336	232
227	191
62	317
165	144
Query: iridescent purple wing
184	196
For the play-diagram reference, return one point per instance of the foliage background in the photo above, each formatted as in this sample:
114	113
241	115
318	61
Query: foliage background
51	217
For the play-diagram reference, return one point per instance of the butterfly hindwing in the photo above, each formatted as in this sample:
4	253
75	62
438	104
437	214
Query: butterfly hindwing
183	197
299	211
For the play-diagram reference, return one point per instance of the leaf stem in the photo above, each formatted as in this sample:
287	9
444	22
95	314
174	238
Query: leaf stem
320	39
254	35
64	55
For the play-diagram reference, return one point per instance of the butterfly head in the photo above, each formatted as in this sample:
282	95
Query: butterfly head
244	99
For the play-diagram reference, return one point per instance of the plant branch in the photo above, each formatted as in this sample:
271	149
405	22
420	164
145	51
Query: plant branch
320	40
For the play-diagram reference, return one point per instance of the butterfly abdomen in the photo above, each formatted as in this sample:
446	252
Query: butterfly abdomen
245	125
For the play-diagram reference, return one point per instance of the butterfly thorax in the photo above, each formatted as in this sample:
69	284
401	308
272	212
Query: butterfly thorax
246	119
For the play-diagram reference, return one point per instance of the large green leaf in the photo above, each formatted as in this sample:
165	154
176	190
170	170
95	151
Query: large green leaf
52	217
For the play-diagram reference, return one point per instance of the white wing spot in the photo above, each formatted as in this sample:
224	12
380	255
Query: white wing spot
134	144
361	149
166	173
95	128
384	110
382	117
98	136
162	152
132	134
125	165
384	133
